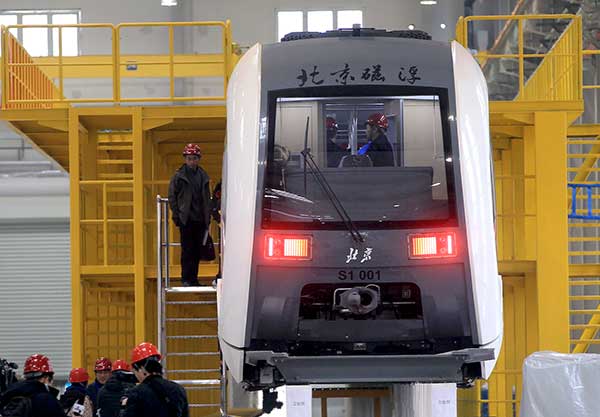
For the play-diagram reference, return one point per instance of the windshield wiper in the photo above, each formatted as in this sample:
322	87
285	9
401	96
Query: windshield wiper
335	202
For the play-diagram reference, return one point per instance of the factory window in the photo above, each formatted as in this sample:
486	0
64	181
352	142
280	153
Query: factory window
316	20
347	18
43	41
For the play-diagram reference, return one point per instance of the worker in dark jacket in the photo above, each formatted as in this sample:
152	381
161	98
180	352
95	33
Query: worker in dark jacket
35	391
378	149
75	401
215	212
153	396
103	370
335	152
121	381
189	198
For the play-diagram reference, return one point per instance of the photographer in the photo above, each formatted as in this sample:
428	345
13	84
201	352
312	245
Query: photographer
34	396
8	374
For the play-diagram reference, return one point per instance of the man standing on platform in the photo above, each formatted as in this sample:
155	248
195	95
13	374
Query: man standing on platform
189	198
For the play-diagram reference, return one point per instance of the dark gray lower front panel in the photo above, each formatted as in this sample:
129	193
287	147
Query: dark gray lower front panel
405	368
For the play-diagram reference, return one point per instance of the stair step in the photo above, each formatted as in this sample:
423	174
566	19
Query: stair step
197	381
205	290
119	204
191	302
191	319
203	405
193	337
191	371
193	354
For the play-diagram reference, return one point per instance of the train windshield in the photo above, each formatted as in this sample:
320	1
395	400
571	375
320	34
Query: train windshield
382	161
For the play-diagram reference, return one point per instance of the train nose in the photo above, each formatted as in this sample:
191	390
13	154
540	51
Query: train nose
358	300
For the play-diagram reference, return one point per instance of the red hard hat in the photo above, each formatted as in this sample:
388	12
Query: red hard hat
192	149
144	351
121	365
103	364
379	120
78	375
331	123
38	364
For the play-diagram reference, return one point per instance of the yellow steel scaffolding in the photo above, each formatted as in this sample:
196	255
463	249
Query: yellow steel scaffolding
120	157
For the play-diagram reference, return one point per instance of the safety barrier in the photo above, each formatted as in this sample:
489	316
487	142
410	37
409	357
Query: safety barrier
28	84
559	75
589	211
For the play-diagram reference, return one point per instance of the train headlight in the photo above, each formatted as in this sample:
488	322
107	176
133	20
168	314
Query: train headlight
432	245
288	247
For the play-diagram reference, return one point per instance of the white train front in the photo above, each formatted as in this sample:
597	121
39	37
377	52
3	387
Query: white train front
358	223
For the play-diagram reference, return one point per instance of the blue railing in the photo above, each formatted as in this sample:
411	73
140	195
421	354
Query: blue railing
588	189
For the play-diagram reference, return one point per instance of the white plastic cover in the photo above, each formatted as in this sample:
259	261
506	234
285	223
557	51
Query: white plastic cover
558	384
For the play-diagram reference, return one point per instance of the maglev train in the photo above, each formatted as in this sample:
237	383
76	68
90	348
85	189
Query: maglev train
358	213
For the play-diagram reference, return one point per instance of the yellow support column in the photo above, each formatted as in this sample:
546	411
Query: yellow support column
552	277
76	290
138	226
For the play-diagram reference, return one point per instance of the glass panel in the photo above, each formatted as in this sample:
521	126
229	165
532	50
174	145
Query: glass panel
69	35
288	22
347	18
320	21
385	159
35	40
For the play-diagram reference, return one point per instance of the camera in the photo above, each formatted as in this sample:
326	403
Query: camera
8	374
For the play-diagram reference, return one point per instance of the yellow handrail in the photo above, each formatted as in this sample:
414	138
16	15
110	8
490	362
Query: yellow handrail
559	75
26	85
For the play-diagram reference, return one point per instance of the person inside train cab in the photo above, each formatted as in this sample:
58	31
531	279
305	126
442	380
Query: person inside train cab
378	148
334	151
189	199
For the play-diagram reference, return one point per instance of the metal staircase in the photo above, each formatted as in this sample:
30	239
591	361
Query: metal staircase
539	36
187	329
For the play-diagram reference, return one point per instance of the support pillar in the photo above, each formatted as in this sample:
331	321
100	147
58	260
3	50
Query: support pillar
138	226
549	140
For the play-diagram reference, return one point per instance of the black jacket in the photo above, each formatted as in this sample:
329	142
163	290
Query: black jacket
92	391
180	196
110	395
381	152
149	399
43	403
76	392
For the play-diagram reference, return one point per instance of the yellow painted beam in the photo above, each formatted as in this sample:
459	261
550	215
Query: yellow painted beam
584	270
512	107
184	112
132	66
138	226
550	137
584	130
77	312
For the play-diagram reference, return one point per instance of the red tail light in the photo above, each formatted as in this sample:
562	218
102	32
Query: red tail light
288	247
432	245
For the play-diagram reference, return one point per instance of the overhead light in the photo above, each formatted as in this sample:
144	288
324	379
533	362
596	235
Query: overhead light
443	26
411	27
168	2
428	2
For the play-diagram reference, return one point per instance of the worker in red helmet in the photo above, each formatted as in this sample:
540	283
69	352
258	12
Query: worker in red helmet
121	381
75	401
189	198
154	395
335	152
103	371
35	393
378	147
